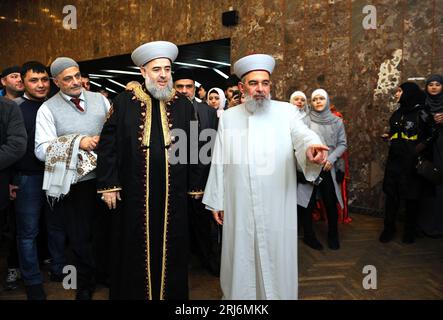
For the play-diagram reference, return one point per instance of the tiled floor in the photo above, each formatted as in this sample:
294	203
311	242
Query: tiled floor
403	271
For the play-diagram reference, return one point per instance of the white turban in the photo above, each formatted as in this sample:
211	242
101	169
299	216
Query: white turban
254	62
154	50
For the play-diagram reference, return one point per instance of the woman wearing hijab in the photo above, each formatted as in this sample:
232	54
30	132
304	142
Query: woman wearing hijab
401	182
217	100
431	138
298	99
332	132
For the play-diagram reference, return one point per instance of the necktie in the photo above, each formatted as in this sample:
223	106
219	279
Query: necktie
76	101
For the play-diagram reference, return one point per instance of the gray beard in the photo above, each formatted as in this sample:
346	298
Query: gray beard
253	105
161	94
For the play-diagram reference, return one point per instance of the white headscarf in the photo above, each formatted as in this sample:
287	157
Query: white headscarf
297	94
305	109
222	100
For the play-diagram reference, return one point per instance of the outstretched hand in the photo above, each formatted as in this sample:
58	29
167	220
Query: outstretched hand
317	153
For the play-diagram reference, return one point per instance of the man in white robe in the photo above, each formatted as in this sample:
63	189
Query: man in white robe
252	187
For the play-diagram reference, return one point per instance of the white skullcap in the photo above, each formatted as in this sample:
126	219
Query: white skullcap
60	64
254	62
154	50
320	92
297	94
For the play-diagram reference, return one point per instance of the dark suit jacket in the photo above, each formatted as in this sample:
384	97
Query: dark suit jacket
13	141
207	119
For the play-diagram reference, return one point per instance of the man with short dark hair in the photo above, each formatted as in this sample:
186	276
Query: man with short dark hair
203	231
231	92
86	84
11	80
30	199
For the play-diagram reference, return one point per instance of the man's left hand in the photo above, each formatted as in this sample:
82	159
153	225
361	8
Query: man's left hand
317	153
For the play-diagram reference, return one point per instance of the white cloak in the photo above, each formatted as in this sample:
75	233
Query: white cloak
253	179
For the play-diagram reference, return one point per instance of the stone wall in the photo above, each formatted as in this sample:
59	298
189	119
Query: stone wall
316	43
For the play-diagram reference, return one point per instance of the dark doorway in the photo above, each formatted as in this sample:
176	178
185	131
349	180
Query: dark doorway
210	61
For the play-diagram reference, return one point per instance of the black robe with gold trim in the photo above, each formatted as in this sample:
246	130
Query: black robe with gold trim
149	236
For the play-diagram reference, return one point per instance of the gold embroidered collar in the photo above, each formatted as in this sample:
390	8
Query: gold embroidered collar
145	99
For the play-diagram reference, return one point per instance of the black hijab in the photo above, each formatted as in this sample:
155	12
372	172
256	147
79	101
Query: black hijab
435	103
411	96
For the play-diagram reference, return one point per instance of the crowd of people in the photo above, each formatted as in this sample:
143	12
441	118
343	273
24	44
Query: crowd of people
116	204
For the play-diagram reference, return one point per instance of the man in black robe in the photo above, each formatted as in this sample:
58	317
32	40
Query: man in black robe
141	181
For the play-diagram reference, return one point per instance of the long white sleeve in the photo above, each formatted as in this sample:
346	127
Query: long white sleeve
107	103
302	138
45	131
213	197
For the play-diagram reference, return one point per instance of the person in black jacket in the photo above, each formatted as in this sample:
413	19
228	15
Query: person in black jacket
401	181
202	228
13	141
430	221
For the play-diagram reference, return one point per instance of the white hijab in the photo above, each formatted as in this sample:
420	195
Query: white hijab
297	94
300	94
222	100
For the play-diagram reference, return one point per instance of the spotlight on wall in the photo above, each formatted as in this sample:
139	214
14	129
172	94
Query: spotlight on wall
230	18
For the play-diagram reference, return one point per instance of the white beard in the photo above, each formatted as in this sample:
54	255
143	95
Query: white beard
252	105
161	94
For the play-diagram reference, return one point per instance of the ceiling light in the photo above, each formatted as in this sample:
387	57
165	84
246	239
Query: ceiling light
224	75
95	83
100	75
110	90
123	72
214	62
191	65
117	83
